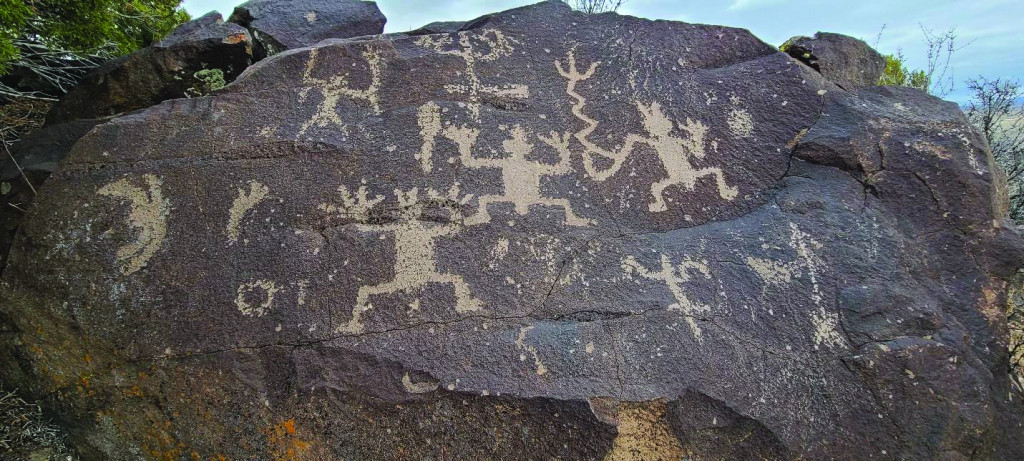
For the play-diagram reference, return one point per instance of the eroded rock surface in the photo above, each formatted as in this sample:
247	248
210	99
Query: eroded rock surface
182	64
550	235
279	25
843	60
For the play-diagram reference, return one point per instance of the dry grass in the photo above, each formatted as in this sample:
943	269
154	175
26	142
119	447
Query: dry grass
21	116
26	434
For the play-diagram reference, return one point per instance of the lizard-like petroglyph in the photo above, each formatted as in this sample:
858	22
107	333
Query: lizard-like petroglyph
673	151
149	210
415	262
245	201
247	308
675	276
355	206
520	177
497	44
335	87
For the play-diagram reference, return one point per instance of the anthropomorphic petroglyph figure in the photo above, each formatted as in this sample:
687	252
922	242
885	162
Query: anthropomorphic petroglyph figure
333	88
497	46
149	210
674	277
673	151
415	262
520	177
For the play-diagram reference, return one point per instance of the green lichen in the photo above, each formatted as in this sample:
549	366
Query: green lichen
207	81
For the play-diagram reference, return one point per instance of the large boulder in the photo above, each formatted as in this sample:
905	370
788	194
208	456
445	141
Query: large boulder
33	159
844	60
279	25
549	235
197	56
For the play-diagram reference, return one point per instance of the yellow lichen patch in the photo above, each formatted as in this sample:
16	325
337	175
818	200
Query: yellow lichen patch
149	210
243	203
246	307
285	444
644	433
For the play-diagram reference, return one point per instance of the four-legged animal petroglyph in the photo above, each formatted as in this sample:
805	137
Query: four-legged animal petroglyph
673	151
520	177
497	46
148	214
335	87
674	277
415	262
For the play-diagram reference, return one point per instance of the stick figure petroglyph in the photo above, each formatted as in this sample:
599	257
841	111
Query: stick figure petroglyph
497	44
673	151
520	177
674	277
335	87
415	263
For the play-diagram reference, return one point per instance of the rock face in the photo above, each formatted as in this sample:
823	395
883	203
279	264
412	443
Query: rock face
175	67
279	25
549	235
843	60
37	156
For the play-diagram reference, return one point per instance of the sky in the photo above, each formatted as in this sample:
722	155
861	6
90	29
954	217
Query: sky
990	31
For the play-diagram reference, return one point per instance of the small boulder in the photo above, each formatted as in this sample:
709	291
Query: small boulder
195	58
844	60
279	25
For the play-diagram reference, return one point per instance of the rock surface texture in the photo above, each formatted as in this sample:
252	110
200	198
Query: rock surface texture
279	25
166	70
549	235
846	61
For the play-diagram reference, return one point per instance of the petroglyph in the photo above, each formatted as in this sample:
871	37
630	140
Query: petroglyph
248	289
497	45
245	201
520	177
673	151
335	87
149	210
418	388
675	276
825	323
521	345
356	206
428	117
415	263
774	272
740	123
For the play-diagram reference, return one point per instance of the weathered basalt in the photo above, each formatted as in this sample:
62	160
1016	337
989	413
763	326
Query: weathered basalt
279	25
171	68
548	235
843	60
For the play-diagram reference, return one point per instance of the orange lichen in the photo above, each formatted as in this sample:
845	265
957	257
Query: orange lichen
285	445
